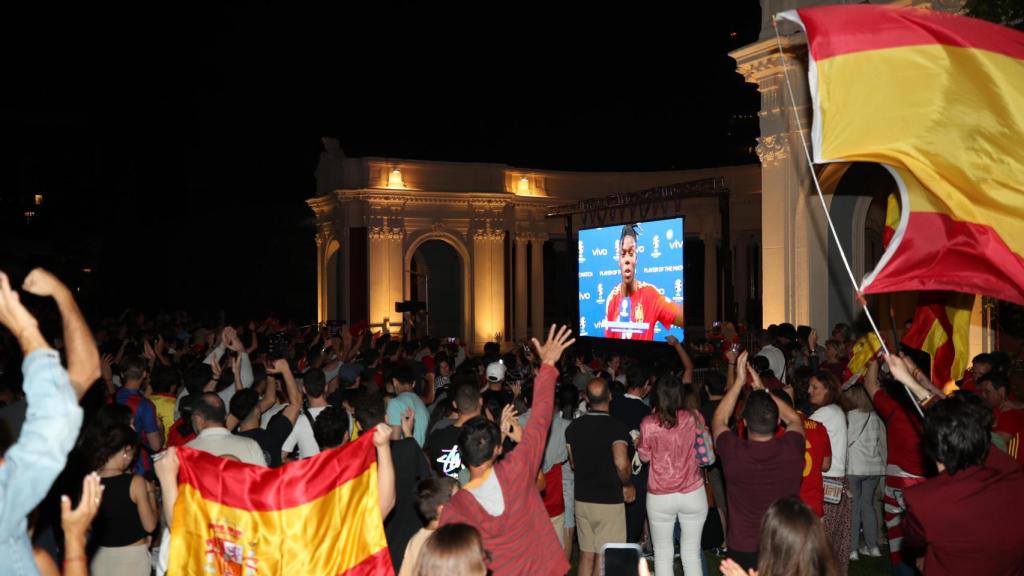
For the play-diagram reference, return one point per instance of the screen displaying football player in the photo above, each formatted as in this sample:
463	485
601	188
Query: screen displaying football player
635	301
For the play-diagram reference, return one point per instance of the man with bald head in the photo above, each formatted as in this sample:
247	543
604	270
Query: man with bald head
209	419
598	450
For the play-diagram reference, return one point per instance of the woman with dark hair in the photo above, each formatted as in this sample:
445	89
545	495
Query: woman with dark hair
826	398
675	486
453	549
128	512
793	543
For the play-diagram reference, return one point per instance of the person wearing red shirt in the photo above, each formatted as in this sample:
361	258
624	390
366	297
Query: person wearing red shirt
501	498
967	518
905	462
635	301
1007	415
817	459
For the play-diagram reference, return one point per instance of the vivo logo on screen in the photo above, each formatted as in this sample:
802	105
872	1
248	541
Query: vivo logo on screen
675	244
584	295
599	251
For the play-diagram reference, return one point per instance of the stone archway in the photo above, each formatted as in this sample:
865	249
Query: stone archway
430	261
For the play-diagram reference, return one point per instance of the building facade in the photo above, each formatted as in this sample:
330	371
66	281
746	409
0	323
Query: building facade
376	216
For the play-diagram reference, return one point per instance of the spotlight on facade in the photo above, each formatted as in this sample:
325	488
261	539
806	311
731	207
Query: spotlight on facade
39	199
524	186
395	179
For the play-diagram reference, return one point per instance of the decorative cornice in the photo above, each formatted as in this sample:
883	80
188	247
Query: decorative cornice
385	233
489	234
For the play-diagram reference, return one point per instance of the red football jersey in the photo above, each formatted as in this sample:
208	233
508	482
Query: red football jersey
1011	423
645	305
812	489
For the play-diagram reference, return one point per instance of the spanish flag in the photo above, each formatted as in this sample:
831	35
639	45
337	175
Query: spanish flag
319	516
864	349
942	321
938	100
941	327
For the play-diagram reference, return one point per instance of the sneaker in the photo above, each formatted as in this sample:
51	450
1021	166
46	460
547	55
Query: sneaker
872	552
854	556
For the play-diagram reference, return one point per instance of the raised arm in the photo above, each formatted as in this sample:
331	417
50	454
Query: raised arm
900	370
83	356
786	412
385	469
51	424
720	420
76	524
681	352
871	379
536	432
166	468
291	387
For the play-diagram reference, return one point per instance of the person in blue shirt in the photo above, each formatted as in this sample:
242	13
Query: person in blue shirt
29	467
406	404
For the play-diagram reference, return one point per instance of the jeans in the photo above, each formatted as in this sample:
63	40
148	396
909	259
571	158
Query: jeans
691	509
863	510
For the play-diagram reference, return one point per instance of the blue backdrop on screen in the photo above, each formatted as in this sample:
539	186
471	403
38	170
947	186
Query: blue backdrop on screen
659	262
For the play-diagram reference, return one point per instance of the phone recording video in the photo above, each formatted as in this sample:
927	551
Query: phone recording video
620	560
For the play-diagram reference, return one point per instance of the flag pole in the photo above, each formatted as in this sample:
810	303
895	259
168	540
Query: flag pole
824	207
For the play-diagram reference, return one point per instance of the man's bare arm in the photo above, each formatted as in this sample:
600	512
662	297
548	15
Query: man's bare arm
720	420
83	355
620	453
684	357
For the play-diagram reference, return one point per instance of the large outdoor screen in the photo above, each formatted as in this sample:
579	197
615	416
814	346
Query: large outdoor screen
631	281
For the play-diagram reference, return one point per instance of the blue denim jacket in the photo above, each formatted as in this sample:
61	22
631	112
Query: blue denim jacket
33	463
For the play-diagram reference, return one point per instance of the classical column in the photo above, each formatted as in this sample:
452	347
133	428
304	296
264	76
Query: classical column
537	285
321	278
793	241
488	284
520	299
385	267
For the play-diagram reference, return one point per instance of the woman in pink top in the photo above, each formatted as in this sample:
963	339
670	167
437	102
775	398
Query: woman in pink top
675	487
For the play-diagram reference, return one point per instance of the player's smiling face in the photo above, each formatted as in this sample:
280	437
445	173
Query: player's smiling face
627	259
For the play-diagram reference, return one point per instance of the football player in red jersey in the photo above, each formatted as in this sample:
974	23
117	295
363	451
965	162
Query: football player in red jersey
635	301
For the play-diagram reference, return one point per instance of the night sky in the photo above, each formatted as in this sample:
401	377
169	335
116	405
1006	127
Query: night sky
174	147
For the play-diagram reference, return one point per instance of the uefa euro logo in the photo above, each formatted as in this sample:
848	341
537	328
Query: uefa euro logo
679	290
581	257
625	309
656	242
583	325
600	293
615	253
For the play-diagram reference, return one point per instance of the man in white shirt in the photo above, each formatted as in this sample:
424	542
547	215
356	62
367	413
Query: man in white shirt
209	419
779	337
314	385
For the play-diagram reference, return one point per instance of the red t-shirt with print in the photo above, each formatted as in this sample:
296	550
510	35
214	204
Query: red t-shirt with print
818	447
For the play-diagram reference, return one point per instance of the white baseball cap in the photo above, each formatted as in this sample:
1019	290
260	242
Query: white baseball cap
495	372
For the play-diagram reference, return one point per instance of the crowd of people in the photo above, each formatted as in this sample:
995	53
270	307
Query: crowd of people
514	461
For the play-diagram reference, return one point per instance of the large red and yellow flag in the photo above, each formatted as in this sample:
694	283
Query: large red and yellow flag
316	516
941	327
942	320
938	100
